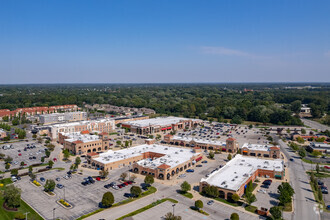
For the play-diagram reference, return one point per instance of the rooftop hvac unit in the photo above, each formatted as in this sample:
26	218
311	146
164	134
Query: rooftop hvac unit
241	164
236	176
224	182
233	180
176	152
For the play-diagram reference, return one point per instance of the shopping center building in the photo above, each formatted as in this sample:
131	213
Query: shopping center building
162	162
160	124
259	150
82	143
230	145
238	172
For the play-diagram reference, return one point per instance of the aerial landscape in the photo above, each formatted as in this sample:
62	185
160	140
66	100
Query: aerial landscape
165	110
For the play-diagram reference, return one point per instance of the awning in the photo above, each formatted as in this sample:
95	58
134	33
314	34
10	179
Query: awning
168	128
163	129
278	176
224	149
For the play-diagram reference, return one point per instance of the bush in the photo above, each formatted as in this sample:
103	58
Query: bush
276	212
149	179
107	199
199	204
19	216
234	216
12	196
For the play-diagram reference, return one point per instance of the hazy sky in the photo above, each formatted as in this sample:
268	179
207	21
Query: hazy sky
164	41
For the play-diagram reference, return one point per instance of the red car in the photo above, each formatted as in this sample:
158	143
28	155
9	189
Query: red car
119	186
326	167
129	182
98	178
19	154
126	183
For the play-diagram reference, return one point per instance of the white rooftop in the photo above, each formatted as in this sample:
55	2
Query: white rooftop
173	156
77	136
160	121
258	147
199	140
81	123
238	170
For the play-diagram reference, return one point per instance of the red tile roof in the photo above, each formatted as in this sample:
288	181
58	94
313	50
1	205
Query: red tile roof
78	142
274	148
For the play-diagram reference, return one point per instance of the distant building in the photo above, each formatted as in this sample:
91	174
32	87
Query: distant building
305	111
121	109
155	125
103	125
230	145
319	146
239	171
82	143
37	110
62	117
259	150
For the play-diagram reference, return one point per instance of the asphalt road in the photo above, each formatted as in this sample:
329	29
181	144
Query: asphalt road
315	125
305	207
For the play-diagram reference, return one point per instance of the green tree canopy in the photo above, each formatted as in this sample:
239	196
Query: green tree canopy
107	199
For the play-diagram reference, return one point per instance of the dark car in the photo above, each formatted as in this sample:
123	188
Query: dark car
84	183
42	179
267	182
107	186
60	186
190	171
199	165
265	186
205	161
291	159
57	179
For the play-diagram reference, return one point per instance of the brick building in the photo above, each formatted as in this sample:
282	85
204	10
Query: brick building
161	161
238	172
230	145
259	150
82	143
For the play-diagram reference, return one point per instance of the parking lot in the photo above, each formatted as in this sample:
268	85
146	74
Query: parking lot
267	198
326	198
84	199
31	155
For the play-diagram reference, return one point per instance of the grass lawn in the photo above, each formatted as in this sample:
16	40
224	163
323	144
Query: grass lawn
199	210
9	215
251	208
239	203
287	207
186	194
311	162
150	190
320	174
147	207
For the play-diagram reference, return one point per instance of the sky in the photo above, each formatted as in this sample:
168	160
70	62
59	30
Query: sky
164	41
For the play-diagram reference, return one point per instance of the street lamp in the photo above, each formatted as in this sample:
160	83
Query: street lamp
64	193
54	213
173	208
26	213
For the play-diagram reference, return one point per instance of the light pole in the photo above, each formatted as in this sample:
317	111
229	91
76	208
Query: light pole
54	213
173	208
64	193
26	213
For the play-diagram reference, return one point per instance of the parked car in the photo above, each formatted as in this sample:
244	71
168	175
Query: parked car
60	186
119	186
58	179
326	167
190	171
210	202
205	161
98	178
42	179
265	186
199	165
267	182
291	159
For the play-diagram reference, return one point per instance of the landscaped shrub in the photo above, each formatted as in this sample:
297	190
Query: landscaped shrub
19	216
36	183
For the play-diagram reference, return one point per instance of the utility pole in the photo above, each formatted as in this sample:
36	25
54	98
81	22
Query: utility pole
173	208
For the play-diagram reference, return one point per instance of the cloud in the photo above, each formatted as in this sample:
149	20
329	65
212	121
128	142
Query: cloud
226	52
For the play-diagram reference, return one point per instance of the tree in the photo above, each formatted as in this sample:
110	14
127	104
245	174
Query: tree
185	186
170	216
319	194
235	197
32	176
158	137
47	153
8	159
34	136
199	204
50	163
250	198
12	196
39	139
30	169
132	177
135	191
50	147
7	166
49	186
229	157
149	179
66	154
107	199
316	153
103	173
276	212
211	154
234	216
14	172
300	140
317	168
211	191
78	160
302	152
295	106
126	144
303	131
285	186
42	159
22	163
249	187
236	120
123	176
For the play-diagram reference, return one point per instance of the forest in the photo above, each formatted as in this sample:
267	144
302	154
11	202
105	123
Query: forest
264	103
